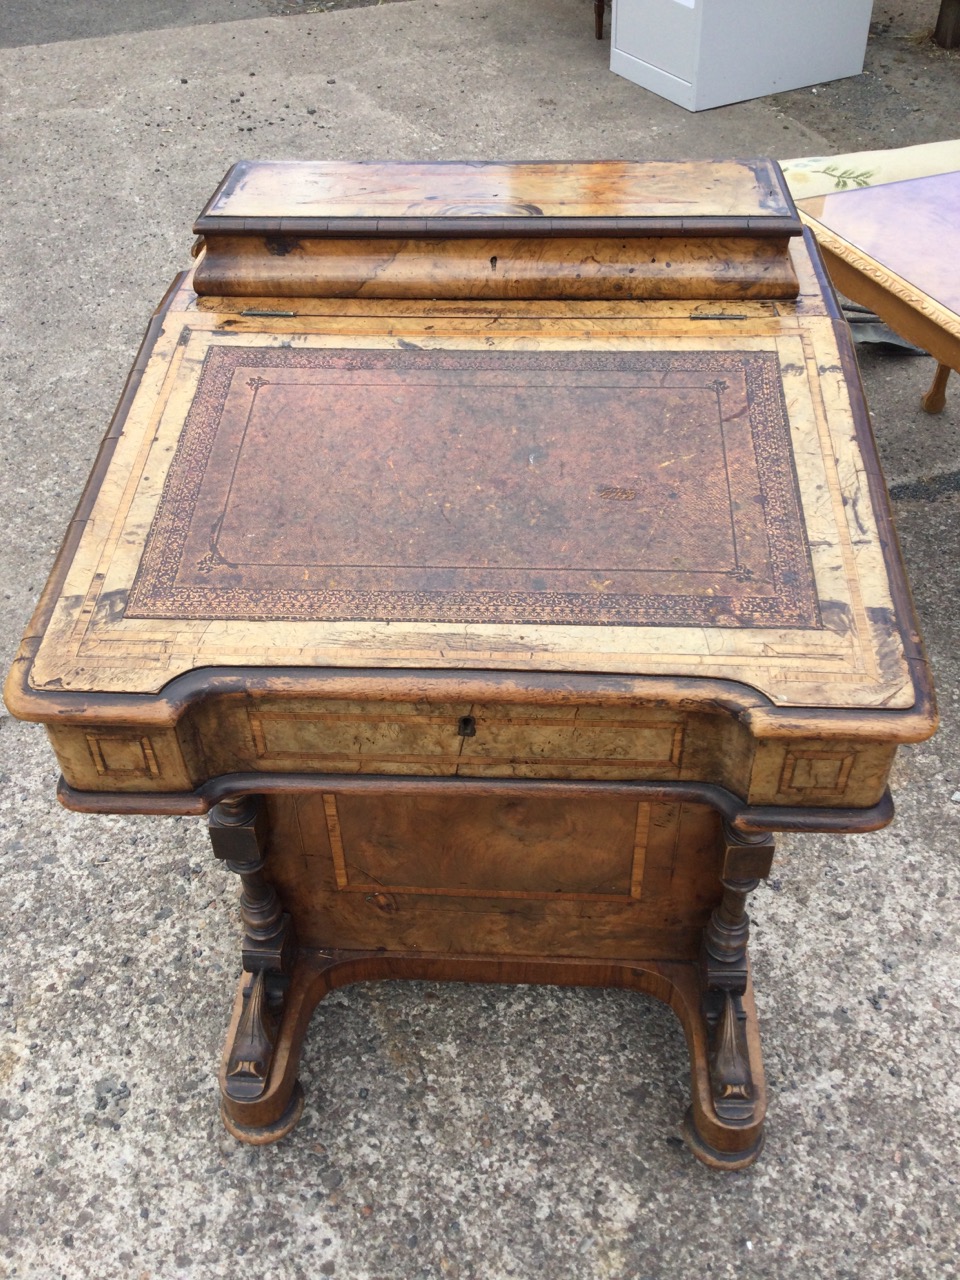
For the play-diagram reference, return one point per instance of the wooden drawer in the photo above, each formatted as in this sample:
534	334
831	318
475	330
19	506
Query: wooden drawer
461	738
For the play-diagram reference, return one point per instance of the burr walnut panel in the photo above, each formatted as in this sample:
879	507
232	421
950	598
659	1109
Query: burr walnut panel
501	848
509	875
363	196
291	266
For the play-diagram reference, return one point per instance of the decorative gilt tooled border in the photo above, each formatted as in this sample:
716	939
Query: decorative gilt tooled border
888	280
793	602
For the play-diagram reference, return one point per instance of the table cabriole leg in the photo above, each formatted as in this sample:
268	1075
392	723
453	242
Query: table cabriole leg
238	833
934	400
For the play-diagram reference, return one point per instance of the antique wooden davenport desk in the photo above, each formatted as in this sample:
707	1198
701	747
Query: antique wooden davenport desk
500	554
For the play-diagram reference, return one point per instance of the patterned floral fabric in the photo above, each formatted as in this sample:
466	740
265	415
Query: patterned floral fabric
819	175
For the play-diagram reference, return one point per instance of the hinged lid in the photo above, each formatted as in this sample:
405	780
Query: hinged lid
374	199
523	230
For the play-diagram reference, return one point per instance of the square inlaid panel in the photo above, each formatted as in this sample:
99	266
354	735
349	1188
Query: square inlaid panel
558	487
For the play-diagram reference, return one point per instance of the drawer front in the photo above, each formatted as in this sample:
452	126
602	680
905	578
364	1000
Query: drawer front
358	737
460	738
663	33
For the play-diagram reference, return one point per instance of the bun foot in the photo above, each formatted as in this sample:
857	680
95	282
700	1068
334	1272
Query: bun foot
262	1135
712	1156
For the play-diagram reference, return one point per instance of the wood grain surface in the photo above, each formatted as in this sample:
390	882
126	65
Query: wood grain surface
485	267
501	629
332	193
853	655
629	538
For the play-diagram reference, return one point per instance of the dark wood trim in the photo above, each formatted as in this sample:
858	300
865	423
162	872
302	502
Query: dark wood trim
91	491
947	31
740	815
164	709
275	1111
904	608
828	292
453	228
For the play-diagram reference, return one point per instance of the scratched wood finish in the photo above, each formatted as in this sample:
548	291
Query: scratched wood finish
862	653
858	679
290	266
518	875
330	194
841	767
500	631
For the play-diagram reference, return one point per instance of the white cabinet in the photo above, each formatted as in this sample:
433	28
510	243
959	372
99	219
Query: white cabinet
705	53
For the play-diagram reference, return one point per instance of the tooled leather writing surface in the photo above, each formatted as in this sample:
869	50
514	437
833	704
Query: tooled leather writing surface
439	486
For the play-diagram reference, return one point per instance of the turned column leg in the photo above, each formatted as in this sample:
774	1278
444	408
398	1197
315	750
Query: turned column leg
238	833
733	1135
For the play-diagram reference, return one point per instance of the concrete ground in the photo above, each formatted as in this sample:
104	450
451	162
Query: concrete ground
450	1133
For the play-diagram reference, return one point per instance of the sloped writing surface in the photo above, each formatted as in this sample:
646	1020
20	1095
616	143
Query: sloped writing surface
471	486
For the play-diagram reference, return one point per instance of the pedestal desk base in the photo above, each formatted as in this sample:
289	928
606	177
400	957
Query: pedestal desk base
274	1113
314	867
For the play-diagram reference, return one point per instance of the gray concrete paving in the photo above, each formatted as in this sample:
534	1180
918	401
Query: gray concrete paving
454	1133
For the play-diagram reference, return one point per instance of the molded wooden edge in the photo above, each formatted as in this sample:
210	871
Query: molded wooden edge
17	692
925	706
766	171
751	708
904	607
742	816
750	227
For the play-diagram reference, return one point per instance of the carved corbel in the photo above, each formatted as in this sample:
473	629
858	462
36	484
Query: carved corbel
238	833
746	861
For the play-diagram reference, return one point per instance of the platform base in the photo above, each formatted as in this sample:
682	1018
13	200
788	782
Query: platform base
274	1113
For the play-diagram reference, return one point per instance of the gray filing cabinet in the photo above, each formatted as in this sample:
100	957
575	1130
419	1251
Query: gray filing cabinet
705	53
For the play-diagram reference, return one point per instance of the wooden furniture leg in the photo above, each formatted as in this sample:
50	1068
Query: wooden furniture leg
262	1099
947	31
598	6
734	1094
714	1139
238	833
936	398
